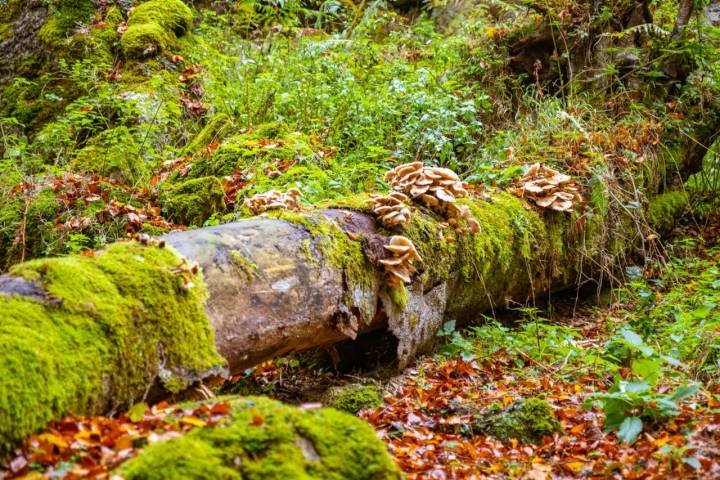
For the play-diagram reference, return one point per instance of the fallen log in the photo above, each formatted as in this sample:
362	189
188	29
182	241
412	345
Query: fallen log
92	334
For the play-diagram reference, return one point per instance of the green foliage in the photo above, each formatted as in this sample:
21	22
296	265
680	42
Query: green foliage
115	154
264	439
92	343
628	404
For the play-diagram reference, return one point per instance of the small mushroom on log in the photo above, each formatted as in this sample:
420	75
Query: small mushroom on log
274	200
548	188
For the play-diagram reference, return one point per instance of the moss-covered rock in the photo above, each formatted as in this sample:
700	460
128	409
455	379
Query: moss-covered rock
172	15
213	131
144	40
264	148
65	17
666	208
193	201
264	439
102	331
353	398
154	26
527	420
115	154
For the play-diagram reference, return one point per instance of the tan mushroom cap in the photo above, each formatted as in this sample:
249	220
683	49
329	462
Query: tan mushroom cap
274	200
548	188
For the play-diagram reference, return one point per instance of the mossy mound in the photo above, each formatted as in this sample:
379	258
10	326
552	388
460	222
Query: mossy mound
264	439
172	15
154	26
115	154
527	420
193	201
268	148
666	208
100	331
353	398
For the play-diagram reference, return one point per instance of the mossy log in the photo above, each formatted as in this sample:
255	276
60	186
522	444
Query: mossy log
294	281
90	334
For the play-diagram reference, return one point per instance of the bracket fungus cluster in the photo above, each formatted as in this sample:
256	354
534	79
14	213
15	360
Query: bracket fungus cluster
399	267
391	209
274	200
437	188
548	188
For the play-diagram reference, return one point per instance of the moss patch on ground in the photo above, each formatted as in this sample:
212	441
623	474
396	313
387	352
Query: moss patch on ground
353	398
111	325
527	420
264	439
666	208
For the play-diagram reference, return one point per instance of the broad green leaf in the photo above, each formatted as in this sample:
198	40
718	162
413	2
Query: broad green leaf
685	391
648	370
137	412
692	461
633	338
629	429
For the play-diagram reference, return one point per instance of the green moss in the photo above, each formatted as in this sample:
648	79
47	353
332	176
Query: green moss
193	201
399	296
247	267
213	131
353	398
114	154
335	246
172	15
145	39
666	208
527	420
154	26
65	16
264	439
110	325
263	148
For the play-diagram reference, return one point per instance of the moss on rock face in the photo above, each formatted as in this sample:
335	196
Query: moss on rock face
264	439
172	15
103	330
154	26
193	201
115	154
526	420
263	148
353	398
65	17
212	131
665	208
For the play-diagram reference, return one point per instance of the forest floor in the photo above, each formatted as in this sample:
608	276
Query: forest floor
644	356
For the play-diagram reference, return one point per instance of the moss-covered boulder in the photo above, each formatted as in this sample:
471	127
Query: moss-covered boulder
193	201
115	154
264	149
213	131
353	398
264	439
92	334
666	208
154	26
527	420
